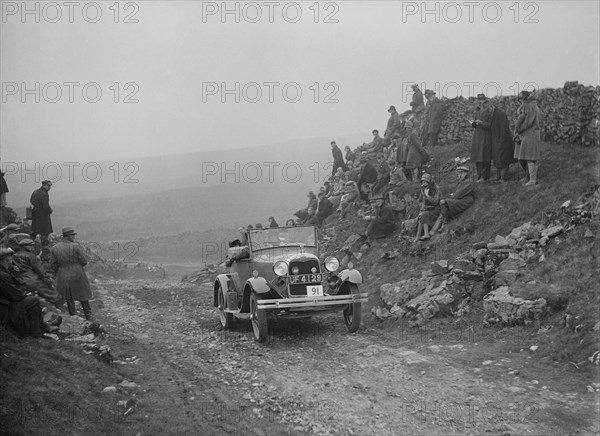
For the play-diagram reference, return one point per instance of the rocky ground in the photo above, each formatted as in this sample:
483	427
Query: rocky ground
184	375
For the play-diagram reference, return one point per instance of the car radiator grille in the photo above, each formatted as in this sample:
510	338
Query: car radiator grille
305	268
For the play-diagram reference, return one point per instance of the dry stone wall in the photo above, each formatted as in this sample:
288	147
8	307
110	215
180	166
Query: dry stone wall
570	115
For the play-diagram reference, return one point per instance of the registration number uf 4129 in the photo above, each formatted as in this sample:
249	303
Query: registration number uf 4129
306	278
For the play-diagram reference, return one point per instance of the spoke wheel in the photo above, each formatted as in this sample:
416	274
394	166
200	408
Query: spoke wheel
353	312
226	318
259	319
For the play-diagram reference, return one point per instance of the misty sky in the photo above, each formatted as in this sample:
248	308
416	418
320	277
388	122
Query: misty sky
175	58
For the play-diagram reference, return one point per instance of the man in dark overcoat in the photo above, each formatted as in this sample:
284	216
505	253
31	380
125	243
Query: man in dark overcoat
503	146
481	143
41	224
338	158
383	222
68	260
394	125
417	103
368	174
434	112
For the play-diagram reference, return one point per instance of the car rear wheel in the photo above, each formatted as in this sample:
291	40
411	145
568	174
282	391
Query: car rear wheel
353	312
226	318
259	319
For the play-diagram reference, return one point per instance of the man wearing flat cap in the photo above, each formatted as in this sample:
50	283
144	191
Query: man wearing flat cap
33	274
432	121
41	224
68	260
462	199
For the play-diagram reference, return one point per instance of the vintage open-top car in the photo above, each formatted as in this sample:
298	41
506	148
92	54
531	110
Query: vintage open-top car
276	273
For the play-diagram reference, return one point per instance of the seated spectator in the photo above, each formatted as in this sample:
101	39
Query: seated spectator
375	146
302	214
383	222
20	311
397	179
328	188
348	199
430	206
350	156
383	174
324	209
339	189
6	232
353	172
462	199
368	175
33	275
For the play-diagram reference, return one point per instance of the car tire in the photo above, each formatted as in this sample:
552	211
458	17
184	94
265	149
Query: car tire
353	312
225	317
259	319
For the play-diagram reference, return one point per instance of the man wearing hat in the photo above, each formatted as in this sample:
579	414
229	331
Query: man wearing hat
430	206
462	199
481	143
272	222
338	158
417	104
41	224
528	152
33	275
394	125
7	231
432	121
383	222
68	260
375	146
18	310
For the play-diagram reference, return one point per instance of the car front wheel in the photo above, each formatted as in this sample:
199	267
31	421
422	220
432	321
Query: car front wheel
226	318
259	319
353	312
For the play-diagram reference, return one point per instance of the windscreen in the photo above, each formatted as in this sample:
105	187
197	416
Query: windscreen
281	237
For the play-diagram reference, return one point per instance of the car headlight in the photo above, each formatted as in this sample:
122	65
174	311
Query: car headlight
295	270
332	264
280	268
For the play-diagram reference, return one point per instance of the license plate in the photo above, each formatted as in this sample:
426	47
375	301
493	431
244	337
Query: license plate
306	278
314	291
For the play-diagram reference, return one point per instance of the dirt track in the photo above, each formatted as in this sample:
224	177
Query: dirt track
312	377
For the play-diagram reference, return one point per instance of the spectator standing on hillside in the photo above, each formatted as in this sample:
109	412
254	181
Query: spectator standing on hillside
417	104
481	143
382	222
462	199
3	189
430	206
68	260
394	125
338	158
528	129
41	224
413	151
33	275
432	122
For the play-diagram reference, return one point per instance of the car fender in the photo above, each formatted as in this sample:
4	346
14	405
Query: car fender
226	282
258	285
351	275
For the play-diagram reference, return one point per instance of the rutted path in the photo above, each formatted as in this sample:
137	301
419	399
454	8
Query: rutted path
312	377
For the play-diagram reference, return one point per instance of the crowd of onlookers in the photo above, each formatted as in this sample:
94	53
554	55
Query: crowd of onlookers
377	175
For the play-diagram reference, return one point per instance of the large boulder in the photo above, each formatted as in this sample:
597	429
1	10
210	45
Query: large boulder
435	299
399	293
501	306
